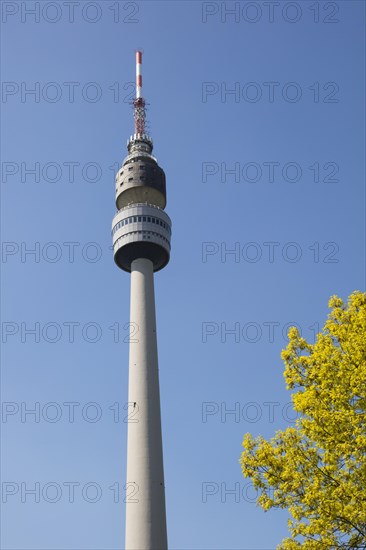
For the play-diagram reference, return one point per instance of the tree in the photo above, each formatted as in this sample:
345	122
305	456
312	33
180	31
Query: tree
317	468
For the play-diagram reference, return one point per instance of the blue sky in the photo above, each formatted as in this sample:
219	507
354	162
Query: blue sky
292	212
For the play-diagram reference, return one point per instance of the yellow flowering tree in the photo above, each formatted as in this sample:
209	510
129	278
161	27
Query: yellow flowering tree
317	469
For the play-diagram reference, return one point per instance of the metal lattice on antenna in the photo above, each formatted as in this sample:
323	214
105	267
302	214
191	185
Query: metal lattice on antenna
139	102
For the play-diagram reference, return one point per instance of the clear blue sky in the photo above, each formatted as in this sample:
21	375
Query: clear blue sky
298	111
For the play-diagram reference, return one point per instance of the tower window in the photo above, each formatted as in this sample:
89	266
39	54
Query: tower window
130	168
130	179
148	219
140	219
142	167
144	218
135	219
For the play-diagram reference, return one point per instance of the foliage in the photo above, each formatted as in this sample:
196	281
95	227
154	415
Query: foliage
317	468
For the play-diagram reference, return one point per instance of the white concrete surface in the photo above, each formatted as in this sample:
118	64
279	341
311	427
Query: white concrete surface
145	494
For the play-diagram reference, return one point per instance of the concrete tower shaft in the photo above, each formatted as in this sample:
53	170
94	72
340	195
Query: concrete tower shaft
145	511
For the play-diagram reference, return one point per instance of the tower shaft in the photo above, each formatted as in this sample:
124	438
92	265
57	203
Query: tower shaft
145	495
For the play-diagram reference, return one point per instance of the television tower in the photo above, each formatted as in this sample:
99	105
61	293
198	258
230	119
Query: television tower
141	233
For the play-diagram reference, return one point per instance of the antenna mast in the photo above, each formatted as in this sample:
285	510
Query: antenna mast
139	102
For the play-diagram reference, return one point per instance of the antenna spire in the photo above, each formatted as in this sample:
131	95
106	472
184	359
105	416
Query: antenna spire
139	102
138	73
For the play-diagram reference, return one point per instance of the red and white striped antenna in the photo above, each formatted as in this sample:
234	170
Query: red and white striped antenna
139	102
138	73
